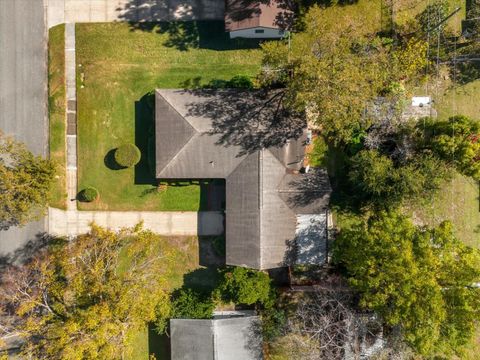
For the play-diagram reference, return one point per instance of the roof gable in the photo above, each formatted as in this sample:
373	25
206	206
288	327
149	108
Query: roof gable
172	130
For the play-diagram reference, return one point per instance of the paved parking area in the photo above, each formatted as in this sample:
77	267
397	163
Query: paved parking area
64	11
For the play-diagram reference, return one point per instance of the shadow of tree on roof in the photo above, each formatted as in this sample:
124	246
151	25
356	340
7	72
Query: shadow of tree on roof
307	193
253	336
240	10
252	120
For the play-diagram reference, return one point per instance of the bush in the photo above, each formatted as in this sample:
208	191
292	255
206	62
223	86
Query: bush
246	286
236	82
89	194
188	304
273	323
240	82
127	155
456	140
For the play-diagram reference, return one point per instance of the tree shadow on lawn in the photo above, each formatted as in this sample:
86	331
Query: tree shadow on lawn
145	139
185	35
158	345
110	162
203	280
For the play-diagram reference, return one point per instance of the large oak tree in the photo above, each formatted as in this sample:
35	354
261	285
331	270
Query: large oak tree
81	299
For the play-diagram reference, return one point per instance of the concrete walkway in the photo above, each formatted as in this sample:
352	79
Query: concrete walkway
71	116
65	11
72	222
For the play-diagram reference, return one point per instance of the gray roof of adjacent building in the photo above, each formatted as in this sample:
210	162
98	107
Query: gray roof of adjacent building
235	338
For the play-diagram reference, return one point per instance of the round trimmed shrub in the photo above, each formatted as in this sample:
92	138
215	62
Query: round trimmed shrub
127	155
89	194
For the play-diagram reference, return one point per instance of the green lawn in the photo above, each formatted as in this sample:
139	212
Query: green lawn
56	108
117	66
457	201
188	253
407	9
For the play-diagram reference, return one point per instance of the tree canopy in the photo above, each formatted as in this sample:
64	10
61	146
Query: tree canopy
457	141
80	299
245	286
424	281
25	182
333	70
381	181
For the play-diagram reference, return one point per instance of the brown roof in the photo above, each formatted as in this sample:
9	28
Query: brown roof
245	14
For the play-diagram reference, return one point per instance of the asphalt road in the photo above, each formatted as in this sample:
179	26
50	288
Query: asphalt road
23	91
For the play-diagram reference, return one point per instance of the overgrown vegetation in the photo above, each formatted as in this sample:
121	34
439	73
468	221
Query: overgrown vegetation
230	285
420	280
355	83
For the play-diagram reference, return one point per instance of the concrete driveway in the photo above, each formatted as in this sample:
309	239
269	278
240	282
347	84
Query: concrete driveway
23	90
64	11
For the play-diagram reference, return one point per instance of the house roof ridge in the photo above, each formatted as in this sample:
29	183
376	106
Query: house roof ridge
196	133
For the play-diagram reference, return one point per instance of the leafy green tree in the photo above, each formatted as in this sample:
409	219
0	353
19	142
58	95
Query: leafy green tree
382	181
456	140
82	299
334	70
330	70
188	304
421	280
245	286
25	183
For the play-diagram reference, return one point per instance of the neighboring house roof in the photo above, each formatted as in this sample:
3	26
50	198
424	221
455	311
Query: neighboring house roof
247	138
217	339
246	14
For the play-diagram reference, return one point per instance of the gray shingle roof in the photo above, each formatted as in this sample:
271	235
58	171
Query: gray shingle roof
246	138
236	338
